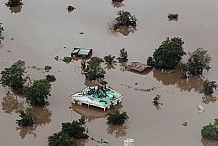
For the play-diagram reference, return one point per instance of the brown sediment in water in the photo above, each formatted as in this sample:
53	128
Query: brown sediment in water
41	30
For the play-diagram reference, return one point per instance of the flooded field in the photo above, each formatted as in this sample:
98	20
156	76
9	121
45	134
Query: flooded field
39	30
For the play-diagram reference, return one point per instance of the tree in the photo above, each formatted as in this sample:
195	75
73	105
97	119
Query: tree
38	92
168	55
209	86
60	139
75	129
117	117
109	59
13	77
198	60
27	119
125	19
210	131
13	3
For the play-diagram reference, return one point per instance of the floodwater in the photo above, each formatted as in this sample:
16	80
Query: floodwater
42	29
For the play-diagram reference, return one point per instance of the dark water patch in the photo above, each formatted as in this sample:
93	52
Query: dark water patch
117	130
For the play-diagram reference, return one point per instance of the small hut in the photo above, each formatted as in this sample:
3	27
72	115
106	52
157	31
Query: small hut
138	67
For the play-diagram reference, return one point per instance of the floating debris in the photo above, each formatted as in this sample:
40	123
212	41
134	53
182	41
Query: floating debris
81	33
185	124
200	109
70	8
50	78
56	58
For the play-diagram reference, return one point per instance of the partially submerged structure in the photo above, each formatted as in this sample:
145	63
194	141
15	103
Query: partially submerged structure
98	96
81	52
138	67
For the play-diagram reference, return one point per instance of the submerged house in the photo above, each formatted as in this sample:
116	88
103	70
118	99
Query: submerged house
138	67
81	52
98	96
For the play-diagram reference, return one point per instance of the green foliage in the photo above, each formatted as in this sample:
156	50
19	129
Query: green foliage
27	119
123	53
13	3
117	117
13	76
109	59
83	64
210	131
169	54
125	18
47	68
173	17
38	92
75	129
209	86
95	61
60	139
94	72
198	60
150	61
67	59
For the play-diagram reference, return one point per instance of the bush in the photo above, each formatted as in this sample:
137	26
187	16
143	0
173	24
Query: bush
117	117
13	3
50	78
38	92
13	77
109	59
67	59
209	86
168	55
47	68
60	139
173	17
125	19
210	131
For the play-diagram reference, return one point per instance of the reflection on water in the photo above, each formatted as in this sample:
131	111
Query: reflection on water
167	79
92	113
208	98
207	142
109	67
16	9
81	142
117	130
11	104
123	30
117	4
43	117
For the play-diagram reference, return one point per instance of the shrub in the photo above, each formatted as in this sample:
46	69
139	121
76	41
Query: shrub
47	68
209	86
67	59
125	19
117	117
173	17
109	59
210	131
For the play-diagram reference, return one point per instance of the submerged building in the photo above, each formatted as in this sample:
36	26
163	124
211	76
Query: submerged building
100	96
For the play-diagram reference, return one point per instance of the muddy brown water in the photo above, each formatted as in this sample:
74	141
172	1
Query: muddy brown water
40	30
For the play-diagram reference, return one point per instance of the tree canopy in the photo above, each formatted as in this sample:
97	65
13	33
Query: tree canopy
13	76
27	118
125	19
168	55
60	139
209	86
210	131
38	92
198	60
117	117
13	3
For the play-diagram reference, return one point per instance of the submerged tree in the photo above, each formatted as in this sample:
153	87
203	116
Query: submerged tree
38	92
117	118
210	131
13	77
13	3
209	86
60	139
109	59
125	19
197	62
123	55
172	17
27	119
168	55
76	129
